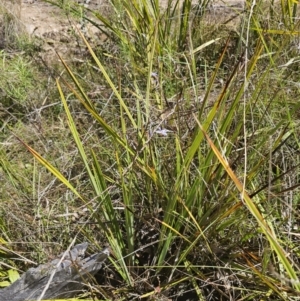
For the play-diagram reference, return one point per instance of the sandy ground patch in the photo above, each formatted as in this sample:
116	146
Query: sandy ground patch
40	18
43	20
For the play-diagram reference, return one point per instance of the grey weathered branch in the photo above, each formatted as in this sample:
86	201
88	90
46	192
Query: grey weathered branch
63	277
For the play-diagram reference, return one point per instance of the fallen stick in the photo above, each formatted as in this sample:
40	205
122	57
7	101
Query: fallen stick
63	277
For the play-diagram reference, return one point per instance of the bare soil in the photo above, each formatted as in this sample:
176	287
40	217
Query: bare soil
40	18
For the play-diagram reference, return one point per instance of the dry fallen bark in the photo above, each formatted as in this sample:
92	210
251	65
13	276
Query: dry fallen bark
64	276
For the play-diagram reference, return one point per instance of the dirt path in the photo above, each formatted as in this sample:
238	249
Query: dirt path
40	18
45	21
